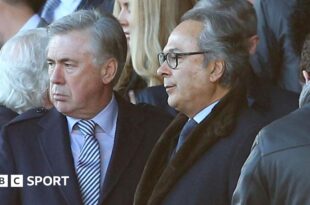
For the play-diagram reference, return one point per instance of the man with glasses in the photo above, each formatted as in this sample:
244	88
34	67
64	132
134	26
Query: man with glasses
197	160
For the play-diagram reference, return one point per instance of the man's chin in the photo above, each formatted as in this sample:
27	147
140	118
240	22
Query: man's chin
61	107
172	101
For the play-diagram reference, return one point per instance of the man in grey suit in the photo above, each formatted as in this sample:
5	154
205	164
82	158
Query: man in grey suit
94	144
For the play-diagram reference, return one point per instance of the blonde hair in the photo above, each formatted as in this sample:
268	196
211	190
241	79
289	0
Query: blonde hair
153	22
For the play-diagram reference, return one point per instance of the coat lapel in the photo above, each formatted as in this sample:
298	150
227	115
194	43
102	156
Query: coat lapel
127	140
55	144
158	160
161	173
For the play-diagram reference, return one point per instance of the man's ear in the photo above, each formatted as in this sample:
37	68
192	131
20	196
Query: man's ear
108	70
306	76
217	70
253	41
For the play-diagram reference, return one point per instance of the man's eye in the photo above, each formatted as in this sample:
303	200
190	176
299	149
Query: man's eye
50	64
127	6
172	56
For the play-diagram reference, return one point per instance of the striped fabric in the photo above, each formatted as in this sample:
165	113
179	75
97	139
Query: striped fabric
88	168
49	10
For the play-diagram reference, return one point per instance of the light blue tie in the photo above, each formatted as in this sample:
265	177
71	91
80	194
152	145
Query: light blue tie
88	168
49	10
187	128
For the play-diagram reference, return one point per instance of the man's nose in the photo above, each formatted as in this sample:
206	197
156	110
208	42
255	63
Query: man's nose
164	70
57	75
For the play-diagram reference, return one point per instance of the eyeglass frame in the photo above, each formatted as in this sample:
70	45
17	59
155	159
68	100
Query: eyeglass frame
162	57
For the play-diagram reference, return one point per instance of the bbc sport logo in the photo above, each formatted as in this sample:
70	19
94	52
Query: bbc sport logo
17	180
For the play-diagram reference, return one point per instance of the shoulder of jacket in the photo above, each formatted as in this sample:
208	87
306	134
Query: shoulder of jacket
289	132
30	114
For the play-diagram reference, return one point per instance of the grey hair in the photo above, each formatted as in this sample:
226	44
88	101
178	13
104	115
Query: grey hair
107	37
24	77
224	38
240	10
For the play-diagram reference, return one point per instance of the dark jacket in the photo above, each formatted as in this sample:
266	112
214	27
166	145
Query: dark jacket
101	5
157	96
6	115
272	102
275	59
206	168
37	143
277	170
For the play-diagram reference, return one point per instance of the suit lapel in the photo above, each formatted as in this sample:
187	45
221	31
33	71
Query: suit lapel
55	144
127	140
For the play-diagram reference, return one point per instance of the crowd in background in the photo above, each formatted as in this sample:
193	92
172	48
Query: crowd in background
150	102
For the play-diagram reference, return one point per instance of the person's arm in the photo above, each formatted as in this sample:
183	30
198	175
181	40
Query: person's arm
251	187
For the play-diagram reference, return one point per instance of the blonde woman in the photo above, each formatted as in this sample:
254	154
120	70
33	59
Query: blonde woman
147	25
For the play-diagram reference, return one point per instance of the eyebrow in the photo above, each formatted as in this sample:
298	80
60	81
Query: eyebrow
61	60
173	50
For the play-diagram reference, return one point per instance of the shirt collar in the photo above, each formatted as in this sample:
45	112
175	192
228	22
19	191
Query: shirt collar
106	118
204	113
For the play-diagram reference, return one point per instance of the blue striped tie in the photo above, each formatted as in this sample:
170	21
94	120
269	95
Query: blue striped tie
88	168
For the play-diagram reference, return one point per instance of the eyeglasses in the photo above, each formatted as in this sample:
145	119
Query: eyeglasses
172	58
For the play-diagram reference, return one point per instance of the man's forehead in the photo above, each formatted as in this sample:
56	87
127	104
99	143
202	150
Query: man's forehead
189	27
184	36
73	41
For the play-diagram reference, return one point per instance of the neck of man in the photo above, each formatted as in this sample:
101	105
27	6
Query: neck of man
218	93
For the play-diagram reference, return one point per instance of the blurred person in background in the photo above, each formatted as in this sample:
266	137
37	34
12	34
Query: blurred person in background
275	59
147	25
55	9
24	77
19	15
